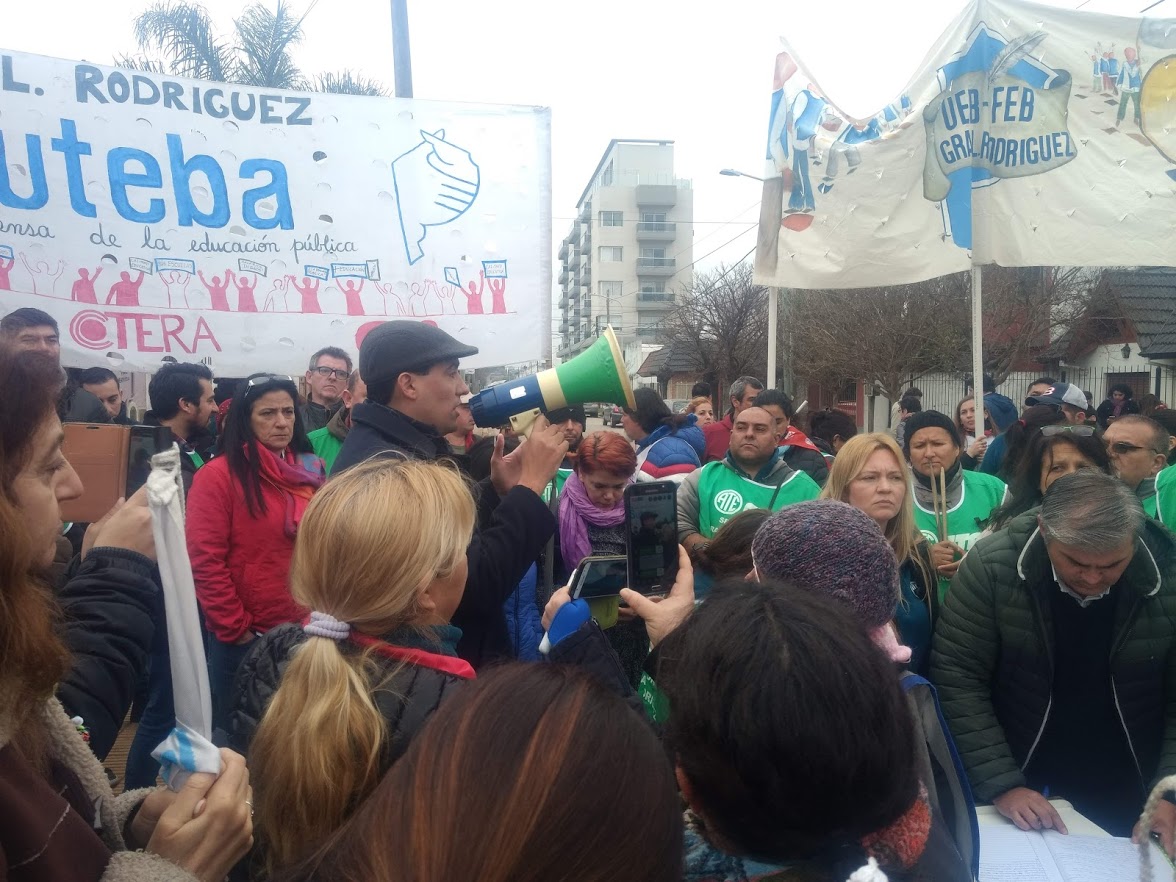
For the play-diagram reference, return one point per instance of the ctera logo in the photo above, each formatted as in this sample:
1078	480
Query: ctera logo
139	332
728	502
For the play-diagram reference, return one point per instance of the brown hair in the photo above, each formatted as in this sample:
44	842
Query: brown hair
729	552
527	740
365	560
32	656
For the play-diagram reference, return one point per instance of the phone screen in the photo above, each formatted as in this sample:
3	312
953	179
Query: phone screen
652	515
146	441
601	577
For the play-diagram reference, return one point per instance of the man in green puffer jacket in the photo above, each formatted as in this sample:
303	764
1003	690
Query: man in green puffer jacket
1055	659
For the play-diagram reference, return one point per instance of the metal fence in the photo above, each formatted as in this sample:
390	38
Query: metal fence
943	392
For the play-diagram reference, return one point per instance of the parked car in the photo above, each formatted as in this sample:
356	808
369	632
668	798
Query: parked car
614	416
677	405
597	410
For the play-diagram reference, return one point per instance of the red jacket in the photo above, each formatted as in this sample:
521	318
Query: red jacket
718	439
240	563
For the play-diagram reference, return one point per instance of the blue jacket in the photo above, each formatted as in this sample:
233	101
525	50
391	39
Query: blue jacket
522	618
670	455
1002	410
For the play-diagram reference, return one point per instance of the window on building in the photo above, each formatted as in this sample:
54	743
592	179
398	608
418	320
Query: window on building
654	253
611	290
612	218
611	254
653	287
653	217
606	177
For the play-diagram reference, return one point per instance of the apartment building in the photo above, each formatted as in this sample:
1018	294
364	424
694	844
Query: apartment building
630	248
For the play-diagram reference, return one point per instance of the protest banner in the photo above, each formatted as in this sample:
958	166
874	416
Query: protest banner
245	199
1031	136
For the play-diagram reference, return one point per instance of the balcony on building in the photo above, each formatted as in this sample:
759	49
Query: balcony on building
656	231
656	299
563	274
656	266
663	195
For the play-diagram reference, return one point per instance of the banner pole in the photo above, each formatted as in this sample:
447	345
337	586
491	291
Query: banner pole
401	54
977	345
773	307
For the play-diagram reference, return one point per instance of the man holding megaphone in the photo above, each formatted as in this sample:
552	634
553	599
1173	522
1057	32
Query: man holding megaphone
414	389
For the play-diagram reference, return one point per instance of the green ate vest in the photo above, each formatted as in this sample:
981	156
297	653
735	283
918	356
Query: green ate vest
723	493
980	494
1164	502
326	446
561	478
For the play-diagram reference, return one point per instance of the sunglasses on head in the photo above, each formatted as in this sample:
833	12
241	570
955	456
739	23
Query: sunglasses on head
268	378
1080	431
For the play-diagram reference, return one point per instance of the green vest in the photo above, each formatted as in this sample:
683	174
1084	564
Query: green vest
326	446
561	478
979	495
1163	504
723	493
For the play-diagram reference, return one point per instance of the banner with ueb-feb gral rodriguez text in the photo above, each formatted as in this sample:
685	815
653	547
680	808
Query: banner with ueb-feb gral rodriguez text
158	218
1030	136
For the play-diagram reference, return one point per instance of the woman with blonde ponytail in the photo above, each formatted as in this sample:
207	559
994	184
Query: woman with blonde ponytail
323	709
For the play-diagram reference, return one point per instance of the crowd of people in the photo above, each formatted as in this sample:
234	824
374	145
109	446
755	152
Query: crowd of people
867	635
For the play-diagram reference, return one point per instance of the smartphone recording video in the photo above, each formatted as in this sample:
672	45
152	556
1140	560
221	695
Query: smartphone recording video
602	576
651	515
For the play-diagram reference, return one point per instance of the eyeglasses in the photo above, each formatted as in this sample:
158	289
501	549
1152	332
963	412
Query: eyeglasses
268	378
1123	448
1080	431
327	373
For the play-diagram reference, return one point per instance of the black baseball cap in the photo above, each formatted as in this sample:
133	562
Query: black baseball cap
571	412
393	348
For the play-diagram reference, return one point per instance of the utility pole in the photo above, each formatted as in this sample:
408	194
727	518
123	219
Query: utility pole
401	56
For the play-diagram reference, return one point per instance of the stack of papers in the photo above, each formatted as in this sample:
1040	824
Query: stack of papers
1011	855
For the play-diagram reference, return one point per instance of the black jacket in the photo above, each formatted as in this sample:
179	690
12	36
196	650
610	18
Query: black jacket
812	463
409	693
406	699
108	626
512	530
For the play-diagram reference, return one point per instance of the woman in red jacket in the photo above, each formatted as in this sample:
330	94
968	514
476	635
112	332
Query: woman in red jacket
243	514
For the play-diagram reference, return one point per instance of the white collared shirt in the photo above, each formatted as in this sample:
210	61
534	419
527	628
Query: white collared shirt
1083	600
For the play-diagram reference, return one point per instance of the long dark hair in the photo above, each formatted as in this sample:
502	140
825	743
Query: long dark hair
571	772
827	424
652	412
32	656
770	691
1025	488
1021	433
238	443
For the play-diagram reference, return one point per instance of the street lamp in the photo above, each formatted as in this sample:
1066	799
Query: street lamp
773	297
732	173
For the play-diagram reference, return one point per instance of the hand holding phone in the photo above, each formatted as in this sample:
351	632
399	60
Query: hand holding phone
663	615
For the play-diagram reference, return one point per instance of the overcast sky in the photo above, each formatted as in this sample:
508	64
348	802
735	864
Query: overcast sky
693	72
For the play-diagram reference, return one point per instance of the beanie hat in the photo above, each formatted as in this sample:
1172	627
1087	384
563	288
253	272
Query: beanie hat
928	419
831	548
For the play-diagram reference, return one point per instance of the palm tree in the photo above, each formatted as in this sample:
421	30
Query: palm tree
177	38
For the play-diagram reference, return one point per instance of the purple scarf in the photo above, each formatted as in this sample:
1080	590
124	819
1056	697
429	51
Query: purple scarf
576	512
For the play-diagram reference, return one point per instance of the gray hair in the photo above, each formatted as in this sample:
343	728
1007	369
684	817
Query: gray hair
1091	510
1161	440
740	386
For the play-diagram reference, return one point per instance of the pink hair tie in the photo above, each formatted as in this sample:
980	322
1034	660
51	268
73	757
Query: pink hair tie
886	639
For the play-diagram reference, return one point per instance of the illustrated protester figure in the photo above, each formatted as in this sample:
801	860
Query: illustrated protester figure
83	289
218	291
124	292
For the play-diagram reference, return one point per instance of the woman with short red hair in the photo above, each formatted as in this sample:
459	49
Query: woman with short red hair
592	522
